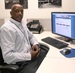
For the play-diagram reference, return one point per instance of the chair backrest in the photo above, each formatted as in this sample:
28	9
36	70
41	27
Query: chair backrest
1	57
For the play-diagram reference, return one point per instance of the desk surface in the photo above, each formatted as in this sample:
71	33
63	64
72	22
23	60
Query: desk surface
57	65
55	62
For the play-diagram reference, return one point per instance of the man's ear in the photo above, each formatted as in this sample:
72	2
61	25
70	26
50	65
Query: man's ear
10	13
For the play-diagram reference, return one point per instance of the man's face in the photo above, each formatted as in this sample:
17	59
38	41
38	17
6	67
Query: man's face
17	13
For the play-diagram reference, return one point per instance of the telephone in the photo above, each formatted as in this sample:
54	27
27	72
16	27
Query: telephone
34	26
31	25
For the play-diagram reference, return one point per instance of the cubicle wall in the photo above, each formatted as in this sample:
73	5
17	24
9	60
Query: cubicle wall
46	23
1	22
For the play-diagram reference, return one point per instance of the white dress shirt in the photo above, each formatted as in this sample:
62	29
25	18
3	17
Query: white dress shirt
16	41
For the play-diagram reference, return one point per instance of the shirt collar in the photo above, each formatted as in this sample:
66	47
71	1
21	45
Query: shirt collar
16	22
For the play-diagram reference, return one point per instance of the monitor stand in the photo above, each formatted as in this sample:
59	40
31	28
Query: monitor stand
72	42
62	38
66	39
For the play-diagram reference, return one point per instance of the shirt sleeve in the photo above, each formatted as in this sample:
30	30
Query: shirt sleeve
8	38
32	38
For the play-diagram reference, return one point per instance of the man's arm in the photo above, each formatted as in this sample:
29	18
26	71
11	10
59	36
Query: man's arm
32	38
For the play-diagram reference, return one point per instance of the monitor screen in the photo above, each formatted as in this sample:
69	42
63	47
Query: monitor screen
63	23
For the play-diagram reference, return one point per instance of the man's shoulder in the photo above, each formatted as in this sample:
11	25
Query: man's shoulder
7	26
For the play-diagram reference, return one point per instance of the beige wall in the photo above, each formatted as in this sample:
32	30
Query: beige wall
34	12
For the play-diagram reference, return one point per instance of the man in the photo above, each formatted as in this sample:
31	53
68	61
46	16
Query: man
16	39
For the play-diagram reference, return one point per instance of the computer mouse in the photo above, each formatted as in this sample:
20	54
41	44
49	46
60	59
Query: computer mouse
66	51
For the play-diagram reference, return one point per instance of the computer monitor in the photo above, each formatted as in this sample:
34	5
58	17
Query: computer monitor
63	23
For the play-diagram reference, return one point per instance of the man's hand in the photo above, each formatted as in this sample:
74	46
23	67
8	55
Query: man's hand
35	51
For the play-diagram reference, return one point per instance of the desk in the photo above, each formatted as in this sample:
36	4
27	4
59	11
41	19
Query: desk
57	65
54	61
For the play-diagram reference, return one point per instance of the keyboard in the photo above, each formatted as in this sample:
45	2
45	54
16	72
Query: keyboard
56	43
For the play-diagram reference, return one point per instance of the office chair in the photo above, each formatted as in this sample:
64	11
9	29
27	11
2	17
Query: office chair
5	68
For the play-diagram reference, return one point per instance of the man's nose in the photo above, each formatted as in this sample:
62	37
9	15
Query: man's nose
20	13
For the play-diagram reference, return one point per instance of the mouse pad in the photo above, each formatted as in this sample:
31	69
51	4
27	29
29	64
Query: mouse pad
71	55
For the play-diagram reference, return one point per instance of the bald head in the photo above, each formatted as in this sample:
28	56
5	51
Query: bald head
17	12
16	5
